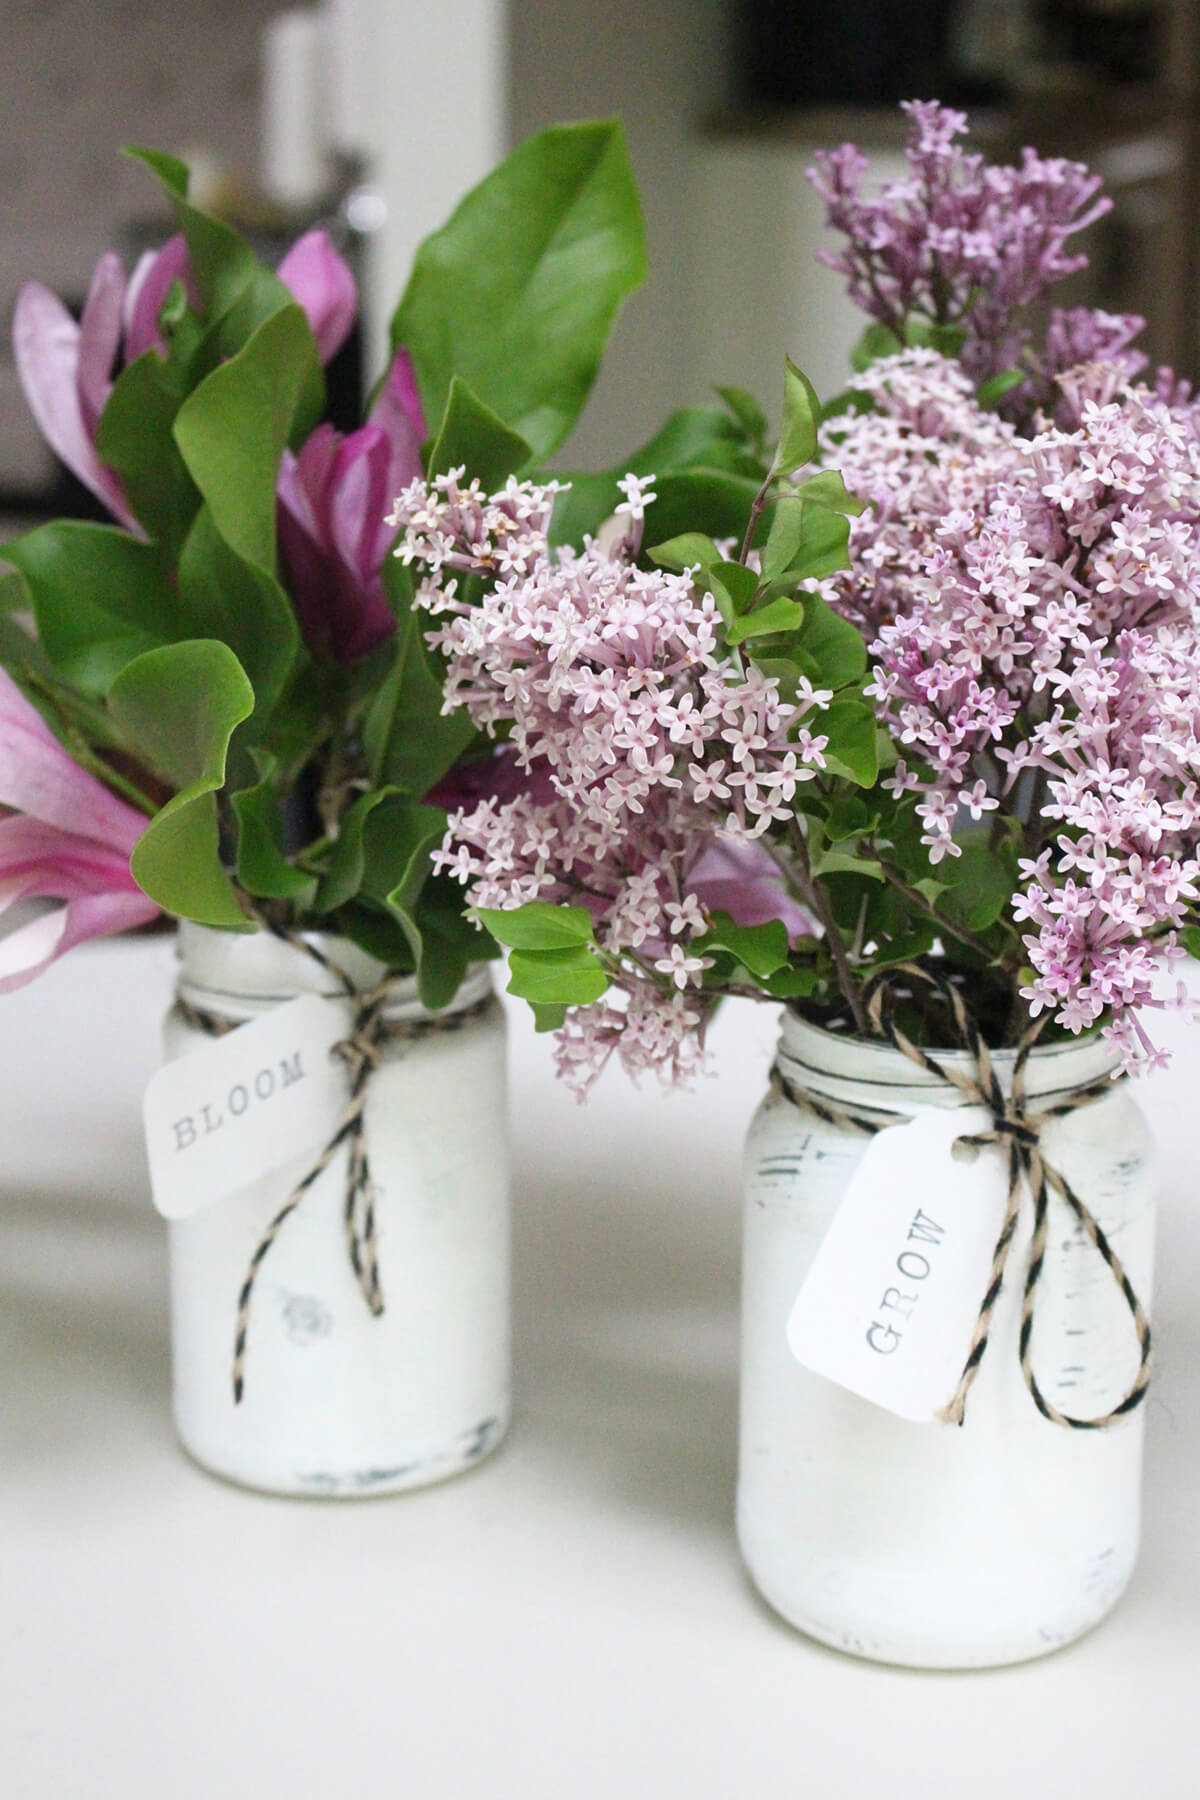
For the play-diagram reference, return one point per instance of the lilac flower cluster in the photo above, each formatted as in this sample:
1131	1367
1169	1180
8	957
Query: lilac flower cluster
1034	610
635	743
964	242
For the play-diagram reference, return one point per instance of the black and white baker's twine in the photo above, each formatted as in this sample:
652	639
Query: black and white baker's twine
361	1051
1019	1131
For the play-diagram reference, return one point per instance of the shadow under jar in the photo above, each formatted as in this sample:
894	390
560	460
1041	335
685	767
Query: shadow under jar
935	1545
338	1400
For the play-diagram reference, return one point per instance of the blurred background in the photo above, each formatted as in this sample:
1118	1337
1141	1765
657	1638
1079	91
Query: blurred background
374	115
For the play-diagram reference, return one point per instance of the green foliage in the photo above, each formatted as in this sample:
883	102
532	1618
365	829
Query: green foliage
537	926
518	292
472	435
760	949
801	417
571	976
177	709
262	868
409	741
136	437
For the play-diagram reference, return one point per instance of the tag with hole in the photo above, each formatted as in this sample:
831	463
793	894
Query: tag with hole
889	1305
242	1105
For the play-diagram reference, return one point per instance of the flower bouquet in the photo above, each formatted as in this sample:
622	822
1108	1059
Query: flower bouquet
222	706
895	722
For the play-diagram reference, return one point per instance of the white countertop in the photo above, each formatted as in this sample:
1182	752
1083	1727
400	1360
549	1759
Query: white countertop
568	1622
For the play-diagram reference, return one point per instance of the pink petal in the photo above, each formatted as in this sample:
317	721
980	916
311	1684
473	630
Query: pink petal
99	338
61	865
25	953
46	348
149	286
38	777
397	411
359	497
322	283
744	881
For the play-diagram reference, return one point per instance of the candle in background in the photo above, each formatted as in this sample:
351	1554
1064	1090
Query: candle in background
296	107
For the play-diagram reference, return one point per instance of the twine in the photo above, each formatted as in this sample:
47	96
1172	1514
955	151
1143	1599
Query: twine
1018	1131
361	1051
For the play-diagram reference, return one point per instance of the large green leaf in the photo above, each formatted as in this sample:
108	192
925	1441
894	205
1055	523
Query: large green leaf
835	646
537	925
801	417
221	595
100	598
262	867
233	429
472	436
135	437
568	977
762	949
409	740
518	292
176	709
852	749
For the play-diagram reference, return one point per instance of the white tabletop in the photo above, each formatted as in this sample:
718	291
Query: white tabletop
568	1622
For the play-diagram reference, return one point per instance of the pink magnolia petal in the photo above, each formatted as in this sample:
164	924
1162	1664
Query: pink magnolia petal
744	881
99	338
359	496
397	411
59	864
149	286
38	777
28	951
46	349
320	280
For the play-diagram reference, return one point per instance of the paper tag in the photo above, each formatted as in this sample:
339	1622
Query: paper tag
890	1303
242	1105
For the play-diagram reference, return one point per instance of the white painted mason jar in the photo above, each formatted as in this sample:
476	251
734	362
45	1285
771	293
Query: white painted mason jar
339	1401
935	1545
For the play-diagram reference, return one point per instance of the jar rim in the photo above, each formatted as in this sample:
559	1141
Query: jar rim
814	1056
240	973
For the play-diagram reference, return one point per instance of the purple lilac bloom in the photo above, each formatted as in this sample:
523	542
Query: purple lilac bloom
643	747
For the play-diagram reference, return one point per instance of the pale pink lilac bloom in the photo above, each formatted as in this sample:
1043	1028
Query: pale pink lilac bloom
644	747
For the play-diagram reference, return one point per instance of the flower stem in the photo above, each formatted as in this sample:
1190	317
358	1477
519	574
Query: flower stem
817	901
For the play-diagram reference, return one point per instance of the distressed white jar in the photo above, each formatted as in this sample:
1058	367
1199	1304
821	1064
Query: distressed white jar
934	1545
339	1401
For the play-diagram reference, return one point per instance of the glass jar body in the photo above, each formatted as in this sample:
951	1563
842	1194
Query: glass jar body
337	1400
934	1545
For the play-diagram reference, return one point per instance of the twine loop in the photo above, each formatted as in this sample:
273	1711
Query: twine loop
362	1052
1017	1132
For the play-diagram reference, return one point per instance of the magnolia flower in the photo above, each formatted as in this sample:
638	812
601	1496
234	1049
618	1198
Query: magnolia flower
66	366
70	839
333	535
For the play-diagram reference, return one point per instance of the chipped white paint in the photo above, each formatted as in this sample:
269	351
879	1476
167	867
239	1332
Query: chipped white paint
337	1401
928	1544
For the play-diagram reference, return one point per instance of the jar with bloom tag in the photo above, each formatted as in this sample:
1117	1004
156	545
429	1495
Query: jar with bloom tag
332	1343
915	1539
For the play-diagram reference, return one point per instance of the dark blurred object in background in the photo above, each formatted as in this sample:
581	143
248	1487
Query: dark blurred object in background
842	52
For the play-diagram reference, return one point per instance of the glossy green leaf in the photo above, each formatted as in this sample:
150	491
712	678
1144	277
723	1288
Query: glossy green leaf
822	550
783	538
518	292
262	867
689	551
537	925
547	1018
223	596
233	429
876	341
135	437
410	742
790	983
696	438
776	615
746	410
177	709
739	582
567	977
851	751
993	390
828	488
1189	937
801	416
472	436
834	644
762	949
100	598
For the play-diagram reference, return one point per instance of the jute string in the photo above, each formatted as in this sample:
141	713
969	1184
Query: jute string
1017	1131
361	1051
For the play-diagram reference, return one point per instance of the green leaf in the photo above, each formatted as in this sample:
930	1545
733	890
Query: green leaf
100	598
746	410
801	416
824	536
947	340
343	865
776	615
471	435
135	438
567	977
829	489
233	429
409	740
691	550
993	390
979	886
1190	939
790	983
262	868
835	646
177	708
518	292
223	596
851	751
876	341
170	170
783	539
547	1018
739	582
762	949
841	862
537	925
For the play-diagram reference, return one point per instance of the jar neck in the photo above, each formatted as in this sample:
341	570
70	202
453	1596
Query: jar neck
837	1066
238	975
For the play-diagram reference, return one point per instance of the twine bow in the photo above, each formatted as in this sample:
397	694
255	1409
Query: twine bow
1017	1131
361	1051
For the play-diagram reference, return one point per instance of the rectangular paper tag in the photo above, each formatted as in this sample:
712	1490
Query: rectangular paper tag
890	1303
241	1105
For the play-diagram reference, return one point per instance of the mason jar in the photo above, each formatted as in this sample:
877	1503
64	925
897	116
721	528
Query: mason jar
932	1544
338	1399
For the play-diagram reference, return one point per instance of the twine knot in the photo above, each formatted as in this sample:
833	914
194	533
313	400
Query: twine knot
1018	1132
